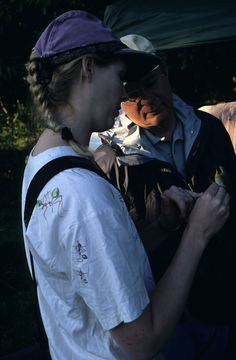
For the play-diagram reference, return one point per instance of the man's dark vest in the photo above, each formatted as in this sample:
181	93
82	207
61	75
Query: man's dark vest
213	292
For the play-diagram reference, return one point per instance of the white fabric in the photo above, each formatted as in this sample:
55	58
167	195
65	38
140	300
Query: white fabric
138	42
132	139
95	141
91	267
226	112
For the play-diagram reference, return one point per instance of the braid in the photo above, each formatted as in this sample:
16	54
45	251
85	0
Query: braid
66	134
48	95
38	91
81	150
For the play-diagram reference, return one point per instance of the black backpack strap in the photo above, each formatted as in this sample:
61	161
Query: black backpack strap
49	170
38	182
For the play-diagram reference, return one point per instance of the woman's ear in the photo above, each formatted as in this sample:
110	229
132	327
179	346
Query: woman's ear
87	68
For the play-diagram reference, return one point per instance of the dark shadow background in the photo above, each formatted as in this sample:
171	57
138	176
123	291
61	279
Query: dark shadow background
200	75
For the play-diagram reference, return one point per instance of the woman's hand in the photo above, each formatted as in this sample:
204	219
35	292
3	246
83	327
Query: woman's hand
176	205
210	212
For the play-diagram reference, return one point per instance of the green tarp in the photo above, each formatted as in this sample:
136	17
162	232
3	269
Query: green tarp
174	24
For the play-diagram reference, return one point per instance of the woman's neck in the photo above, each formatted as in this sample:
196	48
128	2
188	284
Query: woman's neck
50	139
77	120
47	140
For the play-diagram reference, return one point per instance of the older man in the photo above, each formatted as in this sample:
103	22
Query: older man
159	143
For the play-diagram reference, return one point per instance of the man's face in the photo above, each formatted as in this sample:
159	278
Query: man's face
150	101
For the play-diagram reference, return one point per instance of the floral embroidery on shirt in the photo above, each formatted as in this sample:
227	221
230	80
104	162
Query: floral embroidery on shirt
80	256
82	276
49	200
82	252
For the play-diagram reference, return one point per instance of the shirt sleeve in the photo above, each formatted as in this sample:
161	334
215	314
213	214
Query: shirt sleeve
106	258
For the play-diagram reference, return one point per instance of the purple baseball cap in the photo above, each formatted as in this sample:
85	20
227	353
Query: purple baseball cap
77	33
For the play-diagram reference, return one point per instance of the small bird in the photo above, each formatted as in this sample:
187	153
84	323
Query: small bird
222	178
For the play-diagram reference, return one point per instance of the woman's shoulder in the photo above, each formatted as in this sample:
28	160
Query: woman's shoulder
76	188
85	184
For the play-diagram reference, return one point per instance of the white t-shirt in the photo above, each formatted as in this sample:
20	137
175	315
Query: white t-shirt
92	270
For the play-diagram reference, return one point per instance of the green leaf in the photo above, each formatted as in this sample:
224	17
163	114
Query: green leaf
55	193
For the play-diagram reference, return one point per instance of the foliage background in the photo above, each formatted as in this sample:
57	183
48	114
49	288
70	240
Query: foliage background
200	75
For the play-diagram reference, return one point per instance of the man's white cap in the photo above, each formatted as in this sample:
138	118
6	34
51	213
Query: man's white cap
138	42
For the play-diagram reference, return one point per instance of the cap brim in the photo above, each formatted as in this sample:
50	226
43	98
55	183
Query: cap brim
138	63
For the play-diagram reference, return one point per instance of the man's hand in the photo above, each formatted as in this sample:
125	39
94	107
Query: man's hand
176	205
210	212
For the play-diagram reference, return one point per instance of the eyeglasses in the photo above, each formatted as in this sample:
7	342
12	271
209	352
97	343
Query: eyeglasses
136	90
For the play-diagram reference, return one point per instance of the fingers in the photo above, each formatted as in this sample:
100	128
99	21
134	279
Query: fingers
210	211
165	201
223	199
177	204
219	193
184	200
193	194
226	200
212	189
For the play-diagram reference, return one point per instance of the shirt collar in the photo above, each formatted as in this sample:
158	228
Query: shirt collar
130	137
178	134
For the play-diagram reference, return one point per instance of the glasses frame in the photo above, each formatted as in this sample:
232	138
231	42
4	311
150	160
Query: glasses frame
137	92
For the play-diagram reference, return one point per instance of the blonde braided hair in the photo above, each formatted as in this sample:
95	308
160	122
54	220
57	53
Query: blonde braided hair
47	96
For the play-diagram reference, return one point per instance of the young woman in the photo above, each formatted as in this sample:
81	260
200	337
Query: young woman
96	292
